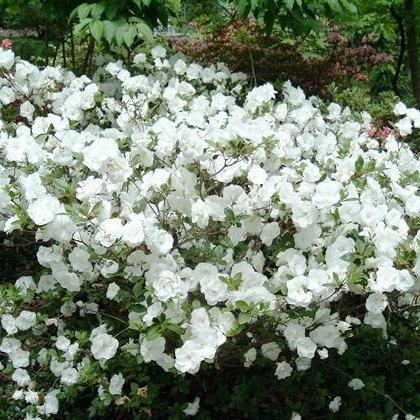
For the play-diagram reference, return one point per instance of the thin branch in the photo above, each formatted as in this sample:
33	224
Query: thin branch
252	67
374	389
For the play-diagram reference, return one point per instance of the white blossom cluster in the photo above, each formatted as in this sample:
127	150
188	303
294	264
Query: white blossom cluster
174	212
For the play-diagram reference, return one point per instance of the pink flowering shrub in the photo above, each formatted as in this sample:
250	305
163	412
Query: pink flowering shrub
6	43
243	46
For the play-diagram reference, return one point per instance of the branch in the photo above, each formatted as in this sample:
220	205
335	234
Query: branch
401	54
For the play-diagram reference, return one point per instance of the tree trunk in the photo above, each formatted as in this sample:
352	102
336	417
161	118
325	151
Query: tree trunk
412	9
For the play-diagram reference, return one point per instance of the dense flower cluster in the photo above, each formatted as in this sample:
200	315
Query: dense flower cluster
174	212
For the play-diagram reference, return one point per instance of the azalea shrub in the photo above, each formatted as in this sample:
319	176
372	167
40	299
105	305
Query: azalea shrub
183	221
313	63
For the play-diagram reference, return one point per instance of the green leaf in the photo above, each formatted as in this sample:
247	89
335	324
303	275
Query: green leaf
153	333
96	29
144	31
335	6
129	35
359	164
289	4
175	328
109	31
111	10
242	305
243	7
349	6
81	25
269	21
97	10
83	10
137	289
243	318
119	33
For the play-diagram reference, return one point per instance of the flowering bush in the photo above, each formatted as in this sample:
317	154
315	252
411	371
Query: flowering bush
243	46
181	220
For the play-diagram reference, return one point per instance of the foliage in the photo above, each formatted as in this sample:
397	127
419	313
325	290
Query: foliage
185	223
234	392
300	16
243	46
123	22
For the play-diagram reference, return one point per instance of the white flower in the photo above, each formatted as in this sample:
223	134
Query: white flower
293	332
200	213
26	320
306	348
259	96
192	408
158	52
21	377
8	322
104	346
67	280
139	58
133	233
152	349
27	110
400	109
187	358
159	241
297	291
19	358
79	260
108	268
116	383
167	285
44	209
304	214
69	376
24	284
109	231
62	343
327	193
51	403
250	356
270	350
376	303
412	206
334	405
112	290
356	384
326	336
257	175
404	126
7	59
389	278
269	232
283	370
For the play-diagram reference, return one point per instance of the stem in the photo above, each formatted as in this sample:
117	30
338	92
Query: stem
252	67
412	9
63	47
73	56
91	55
46	46
401	54
88	52
55	53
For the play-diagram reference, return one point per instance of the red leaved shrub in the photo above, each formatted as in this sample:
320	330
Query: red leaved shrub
244	46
